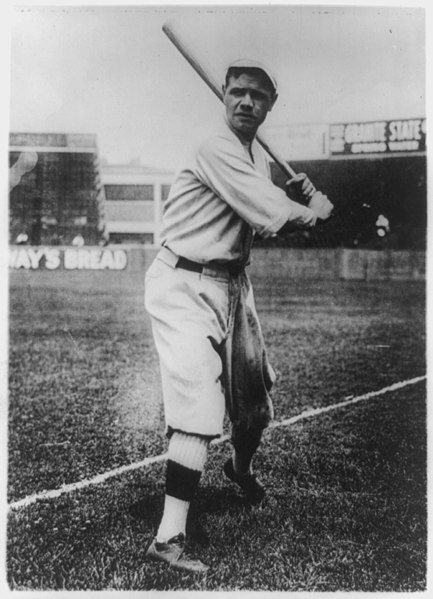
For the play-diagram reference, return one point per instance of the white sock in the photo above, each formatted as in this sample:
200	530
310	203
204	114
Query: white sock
173	520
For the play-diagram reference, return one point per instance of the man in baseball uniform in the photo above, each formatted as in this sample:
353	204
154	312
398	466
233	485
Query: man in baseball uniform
199	297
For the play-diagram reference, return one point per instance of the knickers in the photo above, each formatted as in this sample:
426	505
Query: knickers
211	348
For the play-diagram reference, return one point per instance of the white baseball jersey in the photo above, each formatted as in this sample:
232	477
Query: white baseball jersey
221	196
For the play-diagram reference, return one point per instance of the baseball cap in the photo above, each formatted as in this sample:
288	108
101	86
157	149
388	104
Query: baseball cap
251	63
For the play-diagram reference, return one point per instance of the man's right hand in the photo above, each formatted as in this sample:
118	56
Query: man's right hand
321	206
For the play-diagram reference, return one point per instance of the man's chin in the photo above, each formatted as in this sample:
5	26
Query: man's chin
245	126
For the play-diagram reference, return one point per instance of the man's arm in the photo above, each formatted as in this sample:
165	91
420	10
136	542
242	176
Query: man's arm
223	167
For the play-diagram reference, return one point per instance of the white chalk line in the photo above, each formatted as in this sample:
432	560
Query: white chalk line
100	478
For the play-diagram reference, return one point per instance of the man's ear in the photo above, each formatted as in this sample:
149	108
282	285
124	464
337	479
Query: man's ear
224	89
274	99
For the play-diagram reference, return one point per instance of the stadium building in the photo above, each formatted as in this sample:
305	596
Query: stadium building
62	194
134	197
56	192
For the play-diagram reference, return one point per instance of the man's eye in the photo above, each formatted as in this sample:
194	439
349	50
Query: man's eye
257	96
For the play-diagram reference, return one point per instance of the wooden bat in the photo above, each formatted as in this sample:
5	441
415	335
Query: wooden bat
208	77
205	72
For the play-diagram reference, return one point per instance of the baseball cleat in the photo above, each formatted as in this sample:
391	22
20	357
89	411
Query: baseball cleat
173	553
253	489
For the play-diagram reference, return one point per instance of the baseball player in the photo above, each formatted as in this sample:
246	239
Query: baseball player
200	300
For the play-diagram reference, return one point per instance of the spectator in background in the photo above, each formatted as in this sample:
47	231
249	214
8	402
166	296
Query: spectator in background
78	241
22	239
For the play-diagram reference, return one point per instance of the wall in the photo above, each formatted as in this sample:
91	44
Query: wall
343	264
273	262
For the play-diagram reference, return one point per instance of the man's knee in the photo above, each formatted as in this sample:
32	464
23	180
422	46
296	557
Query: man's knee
258	417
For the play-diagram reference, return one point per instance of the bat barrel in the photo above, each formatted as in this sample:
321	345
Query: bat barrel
187	53
205	73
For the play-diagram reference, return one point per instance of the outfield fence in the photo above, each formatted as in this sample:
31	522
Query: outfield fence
341	263
325	264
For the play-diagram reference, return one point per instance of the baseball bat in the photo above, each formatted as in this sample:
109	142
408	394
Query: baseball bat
205	72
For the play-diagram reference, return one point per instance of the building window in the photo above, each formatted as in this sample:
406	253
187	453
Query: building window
129	193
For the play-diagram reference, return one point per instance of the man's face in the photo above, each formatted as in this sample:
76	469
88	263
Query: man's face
248	100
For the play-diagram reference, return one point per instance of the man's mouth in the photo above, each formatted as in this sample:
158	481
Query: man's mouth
246	116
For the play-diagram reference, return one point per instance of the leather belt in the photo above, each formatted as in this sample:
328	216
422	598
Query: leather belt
186	264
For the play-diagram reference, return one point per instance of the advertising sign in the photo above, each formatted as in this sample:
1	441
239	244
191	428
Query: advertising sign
50	258
378	137
300	142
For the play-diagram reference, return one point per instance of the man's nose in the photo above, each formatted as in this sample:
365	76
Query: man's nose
247	101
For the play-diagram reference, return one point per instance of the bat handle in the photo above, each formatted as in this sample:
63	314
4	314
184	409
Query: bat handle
277	157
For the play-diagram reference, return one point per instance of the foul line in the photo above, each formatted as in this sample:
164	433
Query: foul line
100	478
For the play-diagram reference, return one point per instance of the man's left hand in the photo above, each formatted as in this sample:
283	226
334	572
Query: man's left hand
300	188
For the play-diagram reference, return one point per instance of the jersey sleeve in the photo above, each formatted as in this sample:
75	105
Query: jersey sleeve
225	168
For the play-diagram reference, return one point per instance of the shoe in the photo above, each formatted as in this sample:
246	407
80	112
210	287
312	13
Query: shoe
249	483
173	553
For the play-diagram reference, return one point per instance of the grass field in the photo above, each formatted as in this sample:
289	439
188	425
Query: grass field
346	503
